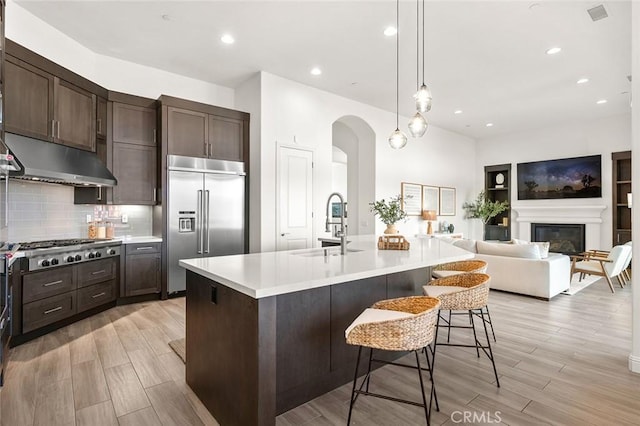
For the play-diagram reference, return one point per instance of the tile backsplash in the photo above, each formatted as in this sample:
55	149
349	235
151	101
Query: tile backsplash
42	211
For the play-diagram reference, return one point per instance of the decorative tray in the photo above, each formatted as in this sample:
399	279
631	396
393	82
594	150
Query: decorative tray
393	242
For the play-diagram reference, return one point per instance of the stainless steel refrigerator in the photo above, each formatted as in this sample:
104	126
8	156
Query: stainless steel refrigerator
206	212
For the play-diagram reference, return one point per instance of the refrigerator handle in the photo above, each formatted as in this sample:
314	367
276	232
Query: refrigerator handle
206	221
199	214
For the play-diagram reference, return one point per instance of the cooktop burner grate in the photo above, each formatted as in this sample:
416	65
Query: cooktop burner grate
33	245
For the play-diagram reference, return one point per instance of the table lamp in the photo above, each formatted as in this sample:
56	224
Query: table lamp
429	215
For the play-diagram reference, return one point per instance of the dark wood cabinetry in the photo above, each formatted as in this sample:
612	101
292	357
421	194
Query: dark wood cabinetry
497	187
197	130
101	118
621	170
28	100
74	115
134	167
134	124
58	294
48	102
142	269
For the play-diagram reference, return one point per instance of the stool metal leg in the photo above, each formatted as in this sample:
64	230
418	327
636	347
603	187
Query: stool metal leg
424	398
490	354
369	369
475	337
491	323
434	395
449	331
354	395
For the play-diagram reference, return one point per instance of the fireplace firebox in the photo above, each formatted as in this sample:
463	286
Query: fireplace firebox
565	238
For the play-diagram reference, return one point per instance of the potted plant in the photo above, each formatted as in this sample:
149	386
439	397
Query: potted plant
389	212
485	209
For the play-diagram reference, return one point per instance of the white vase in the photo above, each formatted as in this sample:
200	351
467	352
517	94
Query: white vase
391	229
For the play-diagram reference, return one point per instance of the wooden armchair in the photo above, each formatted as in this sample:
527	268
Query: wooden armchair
609	266
604	253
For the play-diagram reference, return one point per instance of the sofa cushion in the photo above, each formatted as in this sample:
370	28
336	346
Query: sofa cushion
525	251
543	246
468	245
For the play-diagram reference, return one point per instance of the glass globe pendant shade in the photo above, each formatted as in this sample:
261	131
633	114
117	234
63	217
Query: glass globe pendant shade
397	139
418	125
423	99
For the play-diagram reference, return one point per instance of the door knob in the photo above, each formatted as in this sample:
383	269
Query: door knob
285	233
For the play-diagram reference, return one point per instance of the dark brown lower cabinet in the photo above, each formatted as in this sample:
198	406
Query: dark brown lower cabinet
142	269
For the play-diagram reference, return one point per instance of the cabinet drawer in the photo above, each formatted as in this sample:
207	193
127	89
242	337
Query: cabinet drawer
90	273
45	284
141	248
96	295
47	311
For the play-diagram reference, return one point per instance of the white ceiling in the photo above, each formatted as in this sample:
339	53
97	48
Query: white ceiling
486	58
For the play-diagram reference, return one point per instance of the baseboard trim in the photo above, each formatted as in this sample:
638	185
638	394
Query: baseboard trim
634	363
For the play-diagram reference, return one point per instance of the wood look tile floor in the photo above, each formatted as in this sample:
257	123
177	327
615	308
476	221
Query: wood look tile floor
563	362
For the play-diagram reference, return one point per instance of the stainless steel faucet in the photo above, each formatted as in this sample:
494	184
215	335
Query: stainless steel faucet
342	231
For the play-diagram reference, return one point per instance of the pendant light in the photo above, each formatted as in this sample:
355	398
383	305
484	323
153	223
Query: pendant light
418	124
423	96
397	139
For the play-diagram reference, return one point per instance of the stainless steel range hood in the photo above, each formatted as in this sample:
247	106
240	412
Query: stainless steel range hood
51	162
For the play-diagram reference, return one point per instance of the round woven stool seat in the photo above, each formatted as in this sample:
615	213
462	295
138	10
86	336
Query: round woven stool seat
477	266
408	333
463	291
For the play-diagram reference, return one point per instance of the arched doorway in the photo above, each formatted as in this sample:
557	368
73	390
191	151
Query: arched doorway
354	138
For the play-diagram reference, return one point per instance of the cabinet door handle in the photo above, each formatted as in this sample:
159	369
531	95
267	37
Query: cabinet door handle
100	125
101	271
95	296
50	311
53	128
99	193
144	248
58	132
210	150
155	136
155	196
206	149
52	283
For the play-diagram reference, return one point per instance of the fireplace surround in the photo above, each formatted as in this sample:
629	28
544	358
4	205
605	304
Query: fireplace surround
565	238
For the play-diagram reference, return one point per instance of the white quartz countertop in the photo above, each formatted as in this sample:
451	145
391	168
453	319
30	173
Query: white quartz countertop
139	240
272	273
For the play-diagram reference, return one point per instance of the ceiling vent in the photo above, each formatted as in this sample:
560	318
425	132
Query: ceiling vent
597	13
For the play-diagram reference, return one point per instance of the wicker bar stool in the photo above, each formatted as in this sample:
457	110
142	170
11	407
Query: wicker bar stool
403	324
463	266
464	292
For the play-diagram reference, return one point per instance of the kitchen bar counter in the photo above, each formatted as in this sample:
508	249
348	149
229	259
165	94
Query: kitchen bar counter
261	275
265	331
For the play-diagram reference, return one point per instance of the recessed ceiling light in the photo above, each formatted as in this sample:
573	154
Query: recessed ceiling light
582	81
602	101
553	50
390	31
227	39
316	71
489	124
458	111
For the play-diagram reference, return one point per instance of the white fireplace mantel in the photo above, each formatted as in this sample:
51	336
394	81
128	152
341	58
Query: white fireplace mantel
559	214
590	215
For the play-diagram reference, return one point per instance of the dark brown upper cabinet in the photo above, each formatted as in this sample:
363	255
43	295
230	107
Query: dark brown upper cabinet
225	138
187	133
134	166
74	115
134	124
101	118
28	100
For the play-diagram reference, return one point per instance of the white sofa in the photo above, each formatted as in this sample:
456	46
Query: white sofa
528	273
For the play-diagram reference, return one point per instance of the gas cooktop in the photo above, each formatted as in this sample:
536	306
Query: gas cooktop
33	245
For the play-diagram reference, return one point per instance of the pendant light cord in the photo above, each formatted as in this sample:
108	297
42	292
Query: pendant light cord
417	44
423	42
397	61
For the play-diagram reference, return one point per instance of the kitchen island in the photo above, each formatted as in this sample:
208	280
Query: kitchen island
265	331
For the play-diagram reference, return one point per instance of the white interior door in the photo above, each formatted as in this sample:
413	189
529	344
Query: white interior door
295	199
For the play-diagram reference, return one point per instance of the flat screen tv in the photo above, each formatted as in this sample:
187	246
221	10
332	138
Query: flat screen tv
579	177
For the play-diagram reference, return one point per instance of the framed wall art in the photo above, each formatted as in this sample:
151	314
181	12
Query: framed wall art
411	194
447	201
431	198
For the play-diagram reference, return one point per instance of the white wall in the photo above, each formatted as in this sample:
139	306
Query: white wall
297	115
111	73
602	137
